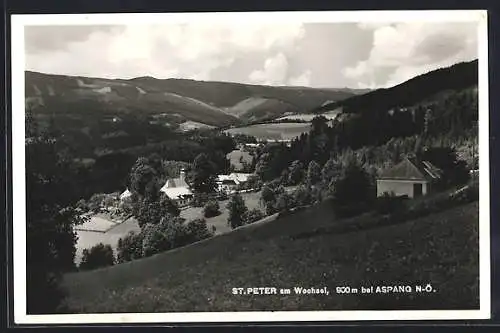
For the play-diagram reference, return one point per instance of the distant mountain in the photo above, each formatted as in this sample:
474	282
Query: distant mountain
416	90
211	103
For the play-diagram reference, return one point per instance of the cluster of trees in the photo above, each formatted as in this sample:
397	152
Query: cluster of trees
157	215
239	214
382	137
104	151
98	256
50	218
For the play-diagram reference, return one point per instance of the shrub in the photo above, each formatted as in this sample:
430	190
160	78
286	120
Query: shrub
198	230
389	203
302	196
170	233
253	215
284	202
98	256
129	247
353	186
151	212
211	209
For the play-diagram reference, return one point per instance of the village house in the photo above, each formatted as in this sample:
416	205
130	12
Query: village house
230	183
410	177
178	190
175	188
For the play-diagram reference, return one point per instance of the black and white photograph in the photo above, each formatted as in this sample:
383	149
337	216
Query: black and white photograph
250	167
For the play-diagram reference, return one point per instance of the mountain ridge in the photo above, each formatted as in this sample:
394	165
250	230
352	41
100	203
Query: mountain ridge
207	102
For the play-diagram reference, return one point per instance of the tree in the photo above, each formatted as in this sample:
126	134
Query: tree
152	212
296	173
203	175
98	256
313	173
284	202
129	247
353	186
268	199
170	233
144	179
454	171
331	170
211	209
263	167
50	218
237	209
198	230
302	196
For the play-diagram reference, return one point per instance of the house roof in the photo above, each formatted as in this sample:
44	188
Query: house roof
411	169
236	177
125	194
176	192
175	182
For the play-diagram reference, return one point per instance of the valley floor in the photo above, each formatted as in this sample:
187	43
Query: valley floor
440	250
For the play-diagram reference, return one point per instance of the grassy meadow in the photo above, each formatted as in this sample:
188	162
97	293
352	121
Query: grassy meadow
272	131
439	249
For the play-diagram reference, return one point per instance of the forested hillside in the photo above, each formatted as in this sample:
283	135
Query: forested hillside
177	99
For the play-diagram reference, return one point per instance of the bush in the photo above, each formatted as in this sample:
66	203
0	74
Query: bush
98	256
284	202
168	234
390	203
302	196
253	215
129	247
198	230
152	212
211	209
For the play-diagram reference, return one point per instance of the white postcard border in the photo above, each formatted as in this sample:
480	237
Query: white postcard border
18	22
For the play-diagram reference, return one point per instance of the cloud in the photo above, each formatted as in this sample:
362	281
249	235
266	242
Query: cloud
301	80
187	50
326	55
274	71
403	50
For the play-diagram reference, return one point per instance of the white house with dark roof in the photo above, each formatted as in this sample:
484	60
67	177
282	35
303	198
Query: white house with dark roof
178	190
410	177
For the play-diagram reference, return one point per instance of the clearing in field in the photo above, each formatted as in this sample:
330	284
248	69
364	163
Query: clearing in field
273	131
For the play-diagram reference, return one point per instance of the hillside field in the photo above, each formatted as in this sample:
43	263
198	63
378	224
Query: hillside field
272	131
440	250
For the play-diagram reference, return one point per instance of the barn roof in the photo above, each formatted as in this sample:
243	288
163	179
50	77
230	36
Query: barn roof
411	169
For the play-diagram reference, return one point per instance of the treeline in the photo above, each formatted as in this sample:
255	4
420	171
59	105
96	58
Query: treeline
411	92
380	138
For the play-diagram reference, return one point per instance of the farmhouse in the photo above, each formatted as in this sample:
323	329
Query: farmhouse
229	183
411	177
178	190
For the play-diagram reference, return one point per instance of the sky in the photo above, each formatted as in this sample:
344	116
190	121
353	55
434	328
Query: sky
321	55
